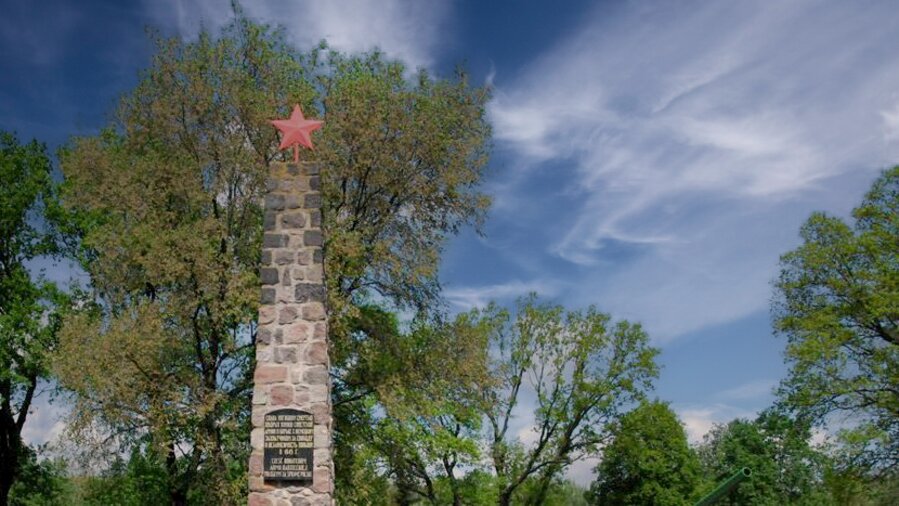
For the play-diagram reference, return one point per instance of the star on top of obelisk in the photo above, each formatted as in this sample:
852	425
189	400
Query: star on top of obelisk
296	130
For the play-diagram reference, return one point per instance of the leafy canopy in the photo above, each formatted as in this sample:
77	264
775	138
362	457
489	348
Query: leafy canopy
648	461
28	322
166	206
837	302
786	469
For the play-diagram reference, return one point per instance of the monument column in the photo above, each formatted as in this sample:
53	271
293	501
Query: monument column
290	463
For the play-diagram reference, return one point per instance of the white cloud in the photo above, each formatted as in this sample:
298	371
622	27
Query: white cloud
702	134
469	297
747	391
403	29
699	420
581	471
45	421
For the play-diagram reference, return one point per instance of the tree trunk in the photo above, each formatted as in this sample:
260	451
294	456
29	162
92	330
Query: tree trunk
177	489
10	445
9	461
5	485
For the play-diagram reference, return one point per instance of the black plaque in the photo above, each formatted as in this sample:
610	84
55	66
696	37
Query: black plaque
287	446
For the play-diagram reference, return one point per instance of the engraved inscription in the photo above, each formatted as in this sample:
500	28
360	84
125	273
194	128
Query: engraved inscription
287	446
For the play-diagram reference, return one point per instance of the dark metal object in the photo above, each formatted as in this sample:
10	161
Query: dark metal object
726	487
287	446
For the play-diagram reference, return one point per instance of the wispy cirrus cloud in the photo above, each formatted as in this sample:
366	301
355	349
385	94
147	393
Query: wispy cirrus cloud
468	297
747	391
704	133
407	30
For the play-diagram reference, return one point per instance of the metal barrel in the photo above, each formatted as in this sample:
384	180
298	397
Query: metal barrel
726	487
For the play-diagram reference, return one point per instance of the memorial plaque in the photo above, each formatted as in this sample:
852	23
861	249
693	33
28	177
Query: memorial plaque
287	446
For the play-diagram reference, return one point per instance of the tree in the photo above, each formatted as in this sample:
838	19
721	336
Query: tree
446	437
428	438
837	302
27	322
584	371
166	203
41	482
785	468
648	461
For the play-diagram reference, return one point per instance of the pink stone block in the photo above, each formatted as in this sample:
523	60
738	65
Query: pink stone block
297	332
317	353
281	395
314	311
321	480
270	374
258	500
287	315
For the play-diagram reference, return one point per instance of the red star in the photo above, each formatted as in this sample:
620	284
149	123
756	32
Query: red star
296	130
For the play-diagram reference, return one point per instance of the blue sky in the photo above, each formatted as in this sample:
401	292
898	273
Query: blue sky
653	158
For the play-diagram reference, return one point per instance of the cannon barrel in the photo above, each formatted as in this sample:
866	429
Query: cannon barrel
726	487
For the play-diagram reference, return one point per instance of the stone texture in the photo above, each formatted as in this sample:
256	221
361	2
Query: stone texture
306	292
293	220
275	240
312	238
268	275
286	354
270	374
287	315
314	311
281	395
257	499
292	363
296	333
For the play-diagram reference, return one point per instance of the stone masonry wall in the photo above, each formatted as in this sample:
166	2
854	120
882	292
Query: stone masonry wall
292	342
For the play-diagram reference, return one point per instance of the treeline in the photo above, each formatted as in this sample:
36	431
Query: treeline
155	351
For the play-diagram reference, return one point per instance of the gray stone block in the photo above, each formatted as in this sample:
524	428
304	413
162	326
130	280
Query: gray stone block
274	202
306	292
275	241
268	221
313	200
293	220
268	275
312	238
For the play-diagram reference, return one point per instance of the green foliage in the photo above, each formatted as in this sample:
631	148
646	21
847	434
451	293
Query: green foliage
428	417
41	482
165	204
785	468
584	369
837	302
648	461
141	481
442	434
28	323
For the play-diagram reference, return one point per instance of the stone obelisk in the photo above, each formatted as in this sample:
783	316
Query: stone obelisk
291	462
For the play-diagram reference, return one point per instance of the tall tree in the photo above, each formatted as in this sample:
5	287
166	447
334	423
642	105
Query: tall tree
786	469
27	326
837	302
584	371
166	202
648	461
447	439
428	438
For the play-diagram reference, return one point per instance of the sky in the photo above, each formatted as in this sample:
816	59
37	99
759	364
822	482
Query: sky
653	158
